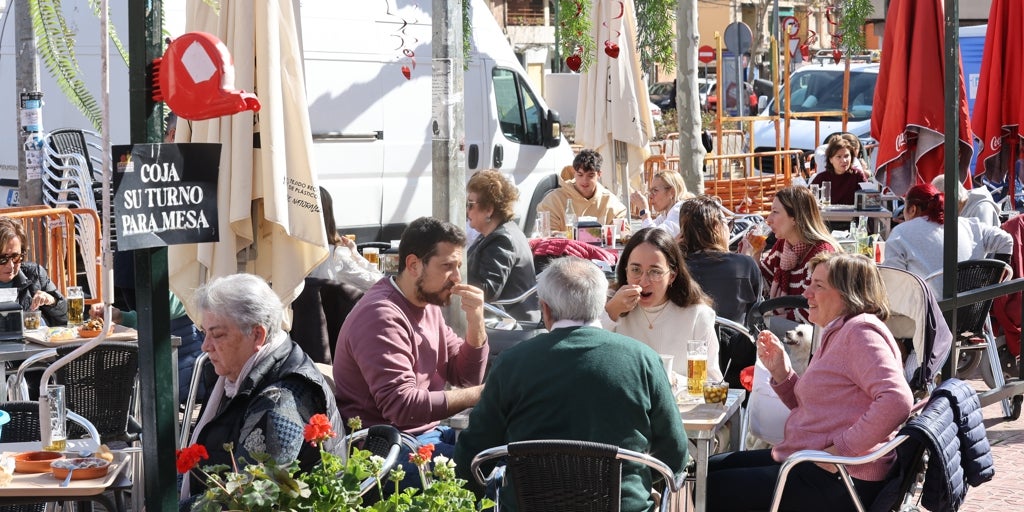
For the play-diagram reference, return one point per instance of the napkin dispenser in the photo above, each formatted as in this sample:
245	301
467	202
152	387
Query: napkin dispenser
867	200
12	326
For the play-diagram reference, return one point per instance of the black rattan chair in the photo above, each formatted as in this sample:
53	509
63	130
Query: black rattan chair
100	385
381	440
567	476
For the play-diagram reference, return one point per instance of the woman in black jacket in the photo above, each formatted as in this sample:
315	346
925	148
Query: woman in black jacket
35	290
500	260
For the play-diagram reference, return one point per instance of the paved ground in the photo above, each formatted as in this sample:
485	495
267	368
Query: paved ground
1006	491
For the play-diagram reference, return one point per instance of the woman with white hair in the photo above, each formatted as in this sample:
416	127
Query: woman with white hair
267	387
666	194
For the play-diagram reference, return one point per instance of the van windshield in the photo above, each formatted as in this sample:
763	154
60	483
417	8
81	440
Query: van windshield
822	91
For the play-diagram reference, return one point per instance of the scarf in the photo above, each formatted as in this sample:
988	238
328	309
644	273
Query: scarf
792	255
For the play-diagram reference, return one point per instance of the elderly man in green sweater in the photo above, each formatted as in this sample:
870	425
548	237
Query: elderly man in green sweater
579	382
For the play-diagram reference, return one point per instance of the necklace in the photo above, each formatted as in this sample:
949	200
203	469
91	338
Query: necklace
650	321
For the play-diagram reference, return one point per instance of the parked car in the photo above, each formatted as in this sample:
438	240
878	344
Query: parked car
819	88
655	112
663	94
712	99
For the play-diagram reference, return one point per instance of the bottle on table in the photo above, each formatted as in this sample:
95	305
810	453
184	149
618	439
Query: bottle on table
570	221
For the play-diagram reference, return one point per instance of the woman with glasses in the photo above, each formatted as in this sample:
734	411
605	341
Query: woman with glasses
500	261
35	290
732	280
658	302
666	193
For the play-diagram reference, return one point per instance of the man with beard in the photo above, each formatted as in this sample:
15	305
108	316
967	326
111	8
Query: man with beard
395	354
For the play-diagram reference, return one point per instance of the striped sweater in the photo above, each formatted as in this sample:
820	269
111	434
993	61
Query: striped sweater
790	282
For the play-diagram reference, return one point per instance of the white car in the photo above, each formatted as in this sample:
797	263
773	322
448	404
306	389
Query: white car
819	88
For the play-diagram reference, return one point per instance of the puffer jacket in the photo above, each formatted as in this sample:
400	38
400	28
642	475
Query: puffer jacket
975	452
32	278
951	429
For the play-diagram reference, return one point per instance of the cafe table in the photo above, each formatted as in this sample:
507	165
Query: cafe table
845	213
36	488
702	421
16	351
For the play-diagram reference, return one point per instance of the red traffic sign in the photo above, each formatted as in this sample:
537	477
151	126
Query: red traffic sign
706	54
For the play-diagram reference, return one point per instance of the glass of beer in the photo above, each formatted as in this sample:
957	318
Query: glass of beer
54	396
696	367
372	254
76	306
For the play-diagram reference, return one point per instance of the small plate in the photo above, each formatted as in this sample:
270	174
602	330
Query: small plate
35	462
84	468
83	333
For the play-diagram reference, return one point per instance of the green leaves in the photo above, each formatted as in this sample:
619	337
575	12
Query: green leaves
852	19
56	46
574	28
656	37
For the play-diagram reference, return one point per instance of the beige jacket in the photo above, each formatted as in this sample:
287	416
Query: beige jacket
604	205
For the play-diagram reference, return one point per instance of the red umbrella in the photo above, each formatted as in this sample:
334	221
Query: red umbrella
999	108
908	118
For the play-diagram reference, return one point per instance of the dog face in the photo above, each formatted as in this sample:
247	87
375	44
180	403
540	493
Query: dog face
798	346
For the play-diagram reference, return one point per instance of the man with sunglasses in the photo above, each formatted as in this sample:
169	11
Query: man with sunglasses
589	198
35	290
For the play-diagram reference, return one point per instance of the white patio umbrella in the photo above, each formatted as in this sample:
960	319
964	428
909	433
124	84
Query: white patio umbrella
268	198
613	102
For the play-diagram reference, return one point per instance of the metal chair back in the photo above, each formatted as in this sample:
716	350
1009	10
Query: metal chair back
384	441
971	275
100	385
566	475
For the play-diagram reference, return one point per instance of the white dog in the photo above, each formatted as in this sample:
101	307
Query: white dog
798	345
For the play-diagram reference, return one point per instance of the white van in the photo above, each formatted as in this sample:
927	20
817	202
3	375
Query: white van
819	88
372	126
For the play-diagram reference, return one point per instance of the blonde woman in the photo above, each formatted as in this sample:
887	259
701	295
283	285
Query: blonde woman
660	207
800	236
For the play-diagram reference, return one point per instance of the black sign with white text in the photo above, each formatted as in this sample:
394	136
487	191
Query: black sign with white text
166	194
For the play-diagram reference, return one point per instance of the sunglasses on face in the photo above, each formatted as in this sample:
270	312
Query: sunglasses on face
16	258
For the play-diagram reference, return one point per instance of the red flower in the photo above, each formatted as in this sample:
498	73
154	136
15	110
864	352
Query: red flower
423	454
318	429
190	456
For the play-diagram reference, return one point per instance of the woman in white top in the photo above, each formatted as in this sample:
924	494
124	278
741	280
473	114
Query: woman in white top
344	264
667	192
658	302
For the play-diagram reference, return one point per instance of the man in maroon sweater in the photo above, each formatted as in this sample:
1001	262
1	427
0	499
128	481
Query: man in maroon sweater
395	354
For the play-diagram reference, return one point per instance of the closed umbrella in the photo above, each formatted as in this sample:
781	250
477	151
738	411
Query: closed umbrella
908	118
268	199
613	103
999	107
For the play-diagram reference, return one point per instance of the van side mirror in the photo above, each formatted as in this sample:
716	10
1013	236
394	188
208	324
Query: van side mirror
762	102
552	129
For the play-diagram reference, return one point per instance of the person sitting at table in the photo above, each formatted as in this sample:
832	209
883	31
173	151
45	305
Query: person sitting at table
732	280
858	155
181	326
841	171
658	302
267	389
916	244
852	398
588	196
500	261
35	290
616	393
667	192
396	354
977	202
800	235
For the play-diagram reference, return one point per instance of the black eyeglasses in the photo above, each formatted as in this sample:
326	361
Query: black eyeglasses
16	258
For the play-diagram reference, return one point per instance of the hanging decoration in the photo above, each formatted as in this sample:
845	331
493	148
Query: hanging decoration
574	34
406	42
611	48
832	14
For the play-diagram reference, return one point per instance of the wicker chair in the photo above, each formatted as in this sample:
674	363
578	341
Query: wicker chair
568	476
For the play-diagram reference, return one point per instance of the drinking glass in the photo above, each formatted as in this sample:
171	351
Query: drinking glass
696	367
32	319
76	306
54	397
826	193
816	192
372	254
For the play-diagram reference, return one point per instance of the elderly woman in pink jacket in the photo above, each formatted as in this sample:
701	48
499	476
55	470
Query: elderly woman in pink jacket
851	400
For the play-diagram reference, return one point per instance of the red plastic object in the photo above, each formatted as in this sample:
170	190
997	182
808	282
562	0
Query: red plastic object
196	79
747	378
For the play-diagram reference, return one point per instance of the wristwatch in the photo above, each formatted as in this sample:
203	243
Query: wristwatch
643	212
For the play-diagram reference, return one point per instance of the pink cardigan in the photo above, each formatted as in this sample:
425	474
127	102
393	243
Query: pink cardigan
853	395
